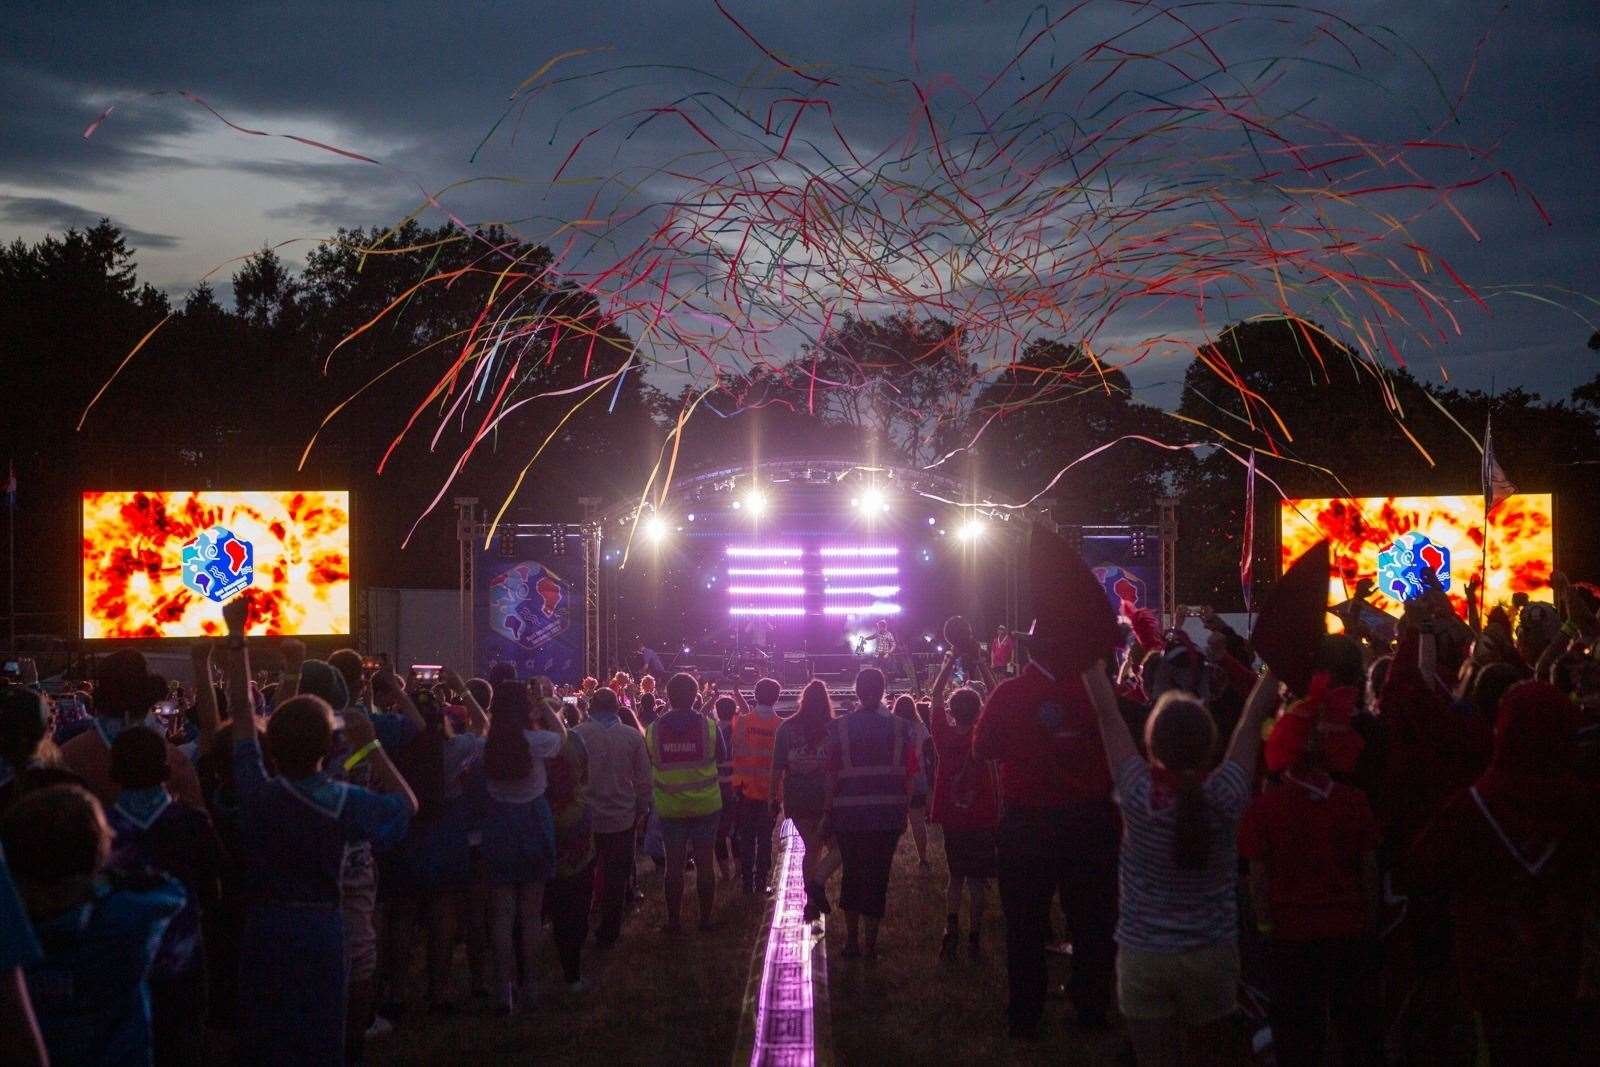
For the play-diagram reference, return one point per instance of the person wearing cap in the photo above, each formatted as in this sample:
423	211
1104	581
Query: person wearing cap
125	693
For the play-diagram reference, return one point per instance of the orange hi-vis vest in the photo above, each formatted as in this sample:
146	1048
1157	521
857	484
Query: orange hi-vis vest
753	737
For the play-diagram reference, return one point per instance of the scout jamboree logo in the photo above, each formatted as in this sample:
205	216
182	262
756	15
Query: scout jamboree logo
528	604
1402	564
1120	585
217	564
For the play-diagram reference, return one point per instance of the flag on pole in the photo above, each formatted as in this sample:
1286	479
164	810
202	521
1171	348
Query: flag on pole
1496	486
1247	550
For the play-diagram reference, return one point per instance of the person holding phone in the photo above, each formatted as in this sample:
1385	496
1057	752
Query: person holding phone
295	828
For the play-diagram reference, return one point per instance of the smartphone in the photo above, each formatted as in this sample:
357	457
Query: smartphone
570	702
426	672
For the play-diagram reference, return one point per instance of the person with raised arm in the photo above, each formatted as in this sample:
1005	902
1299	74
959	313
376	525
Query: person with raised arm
966	804
295	828
1178	931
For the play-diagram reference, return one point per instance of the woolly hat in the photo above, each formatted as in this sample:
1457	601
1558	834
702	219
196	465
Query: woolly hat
320	678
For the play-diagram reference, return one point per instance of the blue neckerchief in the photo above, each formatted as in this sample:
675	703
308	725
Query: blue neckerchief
320	790
144	806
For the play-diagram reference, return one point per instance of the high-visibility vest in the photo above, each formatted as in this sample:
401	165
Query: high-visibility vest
683	758
860	782
753	737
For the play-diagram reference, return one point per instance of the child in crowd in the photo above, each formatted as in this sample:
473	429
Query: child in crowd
966	803
98	930
1177	929
905	707
24	726
571	890
799	786
1312	842
154	831
1516	854
518	833
295	829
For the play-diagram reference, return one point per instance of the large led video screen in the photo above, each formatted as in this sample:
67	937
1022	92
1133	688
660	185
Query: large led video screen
162	564
1391	540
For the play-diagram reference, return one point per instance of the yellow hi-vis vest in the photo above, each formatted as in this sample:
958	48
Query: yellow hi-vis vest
684	760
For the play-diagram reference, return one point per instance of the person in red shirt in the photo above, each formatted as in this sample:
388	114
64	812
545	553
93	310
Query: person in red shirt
966	803
1312	846
1058	830
1515	852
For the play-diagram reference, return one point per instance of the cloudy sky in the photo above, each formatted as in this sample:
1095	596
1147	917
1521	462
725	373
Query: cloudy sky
418	84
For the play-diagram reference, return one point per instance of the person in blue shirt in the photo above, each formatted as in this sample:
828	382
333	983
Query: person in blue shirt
98	930
156	832
20	1040
294	831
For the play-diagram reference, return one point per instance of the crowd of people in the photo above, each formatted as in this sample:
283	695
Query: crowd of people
1393	858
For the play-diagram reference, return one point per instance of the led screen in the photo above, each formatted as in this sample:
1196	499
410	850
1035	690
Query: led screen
162	564
1389	539
793	579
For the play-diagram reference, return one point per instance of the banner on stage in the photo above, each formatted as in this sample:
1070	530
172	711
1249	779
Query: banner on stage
529	613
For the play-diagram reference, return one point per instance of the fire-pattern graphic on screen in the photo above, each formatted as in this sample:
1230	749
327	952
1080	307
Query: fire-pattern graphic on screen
1360	530
294	545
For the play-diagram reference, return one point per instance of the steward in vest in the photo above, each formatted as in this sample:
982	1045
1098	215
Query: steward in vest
871	761
685	749
754	734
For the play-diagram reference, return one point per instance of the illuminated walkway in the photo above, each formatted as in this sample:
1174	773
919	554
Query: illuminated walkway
784	1025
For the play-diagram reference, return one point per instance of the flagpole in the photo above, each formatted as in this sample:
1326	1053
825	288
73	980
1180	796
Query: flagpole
1488	488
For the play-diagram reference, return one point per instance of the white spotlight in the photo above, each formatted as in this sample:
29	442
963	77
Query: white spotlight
655	528
873	501
755	502
970	530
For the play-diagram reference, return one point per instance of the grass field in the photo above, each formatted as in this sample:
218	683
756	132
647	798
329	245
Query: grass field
660	1000
652	999
908	1007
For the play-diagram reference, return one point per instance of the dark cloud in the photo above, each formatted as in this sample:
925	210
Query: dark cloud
418	84
60	215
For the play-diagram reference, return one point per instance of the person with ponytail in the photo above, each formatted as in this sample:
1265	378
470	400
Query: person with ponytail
905	707
1177	929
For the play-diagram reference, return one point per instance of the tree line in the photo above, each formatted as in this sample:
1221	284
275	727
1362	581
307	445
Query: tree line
228	398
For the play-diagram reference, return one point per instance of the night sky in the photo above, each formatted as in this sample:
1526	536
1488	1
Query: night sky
418	85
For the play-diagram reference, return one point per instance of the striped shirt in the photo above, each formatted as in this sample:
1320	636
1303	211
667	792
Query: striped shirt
1164	908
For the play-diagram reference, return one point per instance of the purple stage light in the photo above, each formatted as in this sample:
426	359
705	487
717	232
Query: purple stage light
768	590
766	611
767	572
762	551
863	550
878	608
862	590
858	572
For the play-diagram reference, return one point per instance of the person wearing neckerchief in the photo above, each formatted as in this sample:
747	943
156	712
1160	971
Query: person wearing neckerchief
1311	842
1515	851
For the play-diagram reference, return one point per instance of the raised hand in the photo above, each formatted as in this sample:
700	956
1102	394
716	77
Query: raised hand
236	613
